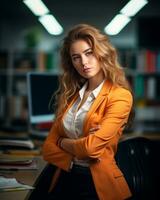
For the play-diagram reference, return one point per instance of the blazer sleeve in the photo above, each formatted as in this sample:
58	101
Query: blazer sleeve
116	115
52	153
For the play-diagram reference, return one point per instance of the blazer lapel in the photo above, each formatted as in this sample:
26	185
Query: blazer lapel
100	98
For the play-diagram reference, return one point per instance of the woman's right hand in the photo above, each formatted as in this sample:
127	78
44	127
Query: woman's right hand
93	129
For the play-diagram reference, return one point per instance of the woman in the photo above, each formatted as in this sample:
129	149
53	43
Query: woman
94	103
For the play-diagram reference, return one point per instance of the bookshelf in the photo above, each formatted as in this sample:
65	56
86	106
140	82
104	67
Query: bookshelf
142	68
14	65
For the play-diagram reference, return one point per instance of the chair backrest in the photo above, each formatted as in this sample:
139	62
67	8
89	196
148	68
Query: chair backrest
138	159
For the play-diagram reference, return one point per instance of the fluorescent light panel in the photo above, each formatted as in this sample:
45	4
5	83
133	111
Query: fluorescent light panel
37	7
51	24
122	19
46	19
117	24
132	7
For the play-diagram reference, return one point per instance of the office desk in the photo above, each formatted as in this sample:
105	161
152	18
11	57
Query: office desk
25	176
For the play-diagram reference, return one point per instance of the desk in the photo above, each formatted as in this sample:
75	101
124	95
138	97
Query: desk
25	176
147	135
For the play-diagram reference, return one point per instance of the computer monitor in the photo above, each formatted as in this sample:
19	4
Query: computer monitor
41	87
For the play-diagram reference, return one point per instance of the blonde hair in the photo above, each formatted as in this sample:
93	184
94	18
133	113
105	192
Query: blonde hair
71	81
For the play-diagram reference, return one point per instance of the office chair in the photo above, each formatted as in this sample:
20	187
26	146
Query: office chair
138	159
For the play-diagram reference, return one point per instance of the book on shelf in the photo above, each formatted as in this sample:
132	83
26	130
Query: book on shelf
141	61
139	87
11	184
151	88
150	61
41	61
45	61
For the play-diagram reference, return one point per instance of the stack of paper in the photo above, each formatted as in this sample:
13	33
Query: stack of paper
22	152
16	142
11	184
17	162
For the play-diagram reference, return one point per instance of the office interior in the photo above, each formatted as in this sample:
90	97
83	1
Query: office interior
26	46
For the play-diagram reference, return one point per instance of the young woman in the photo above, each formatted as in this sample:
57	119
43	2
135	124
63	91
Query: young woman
94	102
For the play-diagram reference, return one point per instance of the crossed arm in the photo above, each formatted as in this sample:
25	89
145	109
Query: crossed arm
113	122
67	144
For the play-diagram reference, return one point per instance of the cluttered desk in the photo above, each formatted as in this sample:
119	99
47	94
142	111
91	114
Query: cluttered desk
20	153
16	183
20	165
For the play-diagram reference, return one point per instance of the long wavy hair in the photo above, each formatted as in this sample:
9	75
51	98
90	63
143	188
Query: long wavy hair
71	81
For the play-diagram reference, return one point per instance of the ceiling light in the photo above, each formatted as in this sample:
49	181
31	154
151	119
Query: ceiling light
37	7
51	24
132	7
117	24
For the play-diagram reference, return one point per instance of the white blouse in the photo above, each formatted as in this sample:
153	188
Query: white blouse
74	120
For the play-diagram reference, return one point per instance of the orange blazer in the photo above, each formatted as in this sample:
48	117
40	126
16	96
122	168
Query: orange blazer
110	110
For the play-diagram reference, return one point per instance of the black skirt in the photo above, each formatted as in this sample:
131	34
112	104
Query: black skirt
76	184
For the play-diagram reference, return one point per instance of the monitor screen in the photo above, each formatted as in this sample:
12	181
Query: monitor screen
41	87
